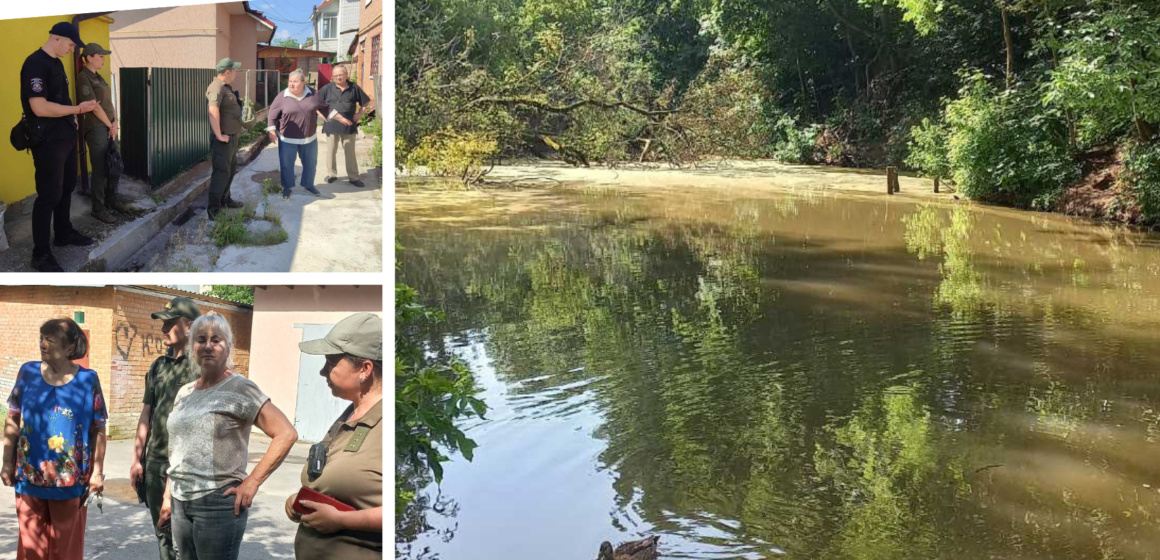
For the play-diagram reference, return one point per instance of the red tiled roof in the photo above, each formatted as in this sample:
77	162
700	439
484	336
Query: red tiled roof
271	52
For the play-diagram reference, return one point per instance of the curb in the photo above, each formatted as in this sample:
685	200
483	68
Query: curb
116	251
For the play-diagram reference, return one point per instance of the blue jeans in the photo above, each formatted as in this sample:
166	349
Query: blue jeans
206	528
287	154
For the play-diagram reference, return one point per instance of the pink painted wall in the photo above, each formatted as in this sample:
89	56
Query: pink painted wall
274	355
223	36
180	37
243	48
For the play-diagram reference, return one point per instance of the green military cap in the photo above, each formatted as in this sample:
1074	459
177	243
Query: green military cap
95	48
178	307
359	335
227	64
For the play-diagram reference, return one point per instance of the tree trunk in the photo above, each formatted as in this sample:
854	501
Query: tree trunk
1008	42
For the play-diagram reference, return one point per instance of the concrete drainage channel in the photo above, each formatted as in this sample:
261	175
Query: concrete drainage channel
126	248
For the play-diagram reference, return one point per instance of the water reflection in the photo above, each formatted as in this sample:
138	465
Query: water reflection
812	377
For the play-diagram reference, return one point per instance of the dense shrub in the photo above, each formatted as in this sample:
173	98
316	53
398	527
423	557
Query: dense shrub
795	143
997	146
453	154
1142	172
1106	76
929	149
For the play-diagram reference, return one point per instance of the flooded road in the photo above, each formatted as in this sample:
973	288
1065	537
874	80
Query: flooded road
804	374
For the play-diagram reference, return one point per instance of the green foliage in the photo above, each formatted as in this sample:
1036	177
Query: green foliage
929	149
270	186
1142	173
794	143
451	154
431	395
1001	148
239	294
1109	71
287	42
374	127
229	228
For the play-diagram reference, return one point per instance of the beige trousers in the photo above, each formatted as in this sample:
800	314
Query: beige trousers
347	141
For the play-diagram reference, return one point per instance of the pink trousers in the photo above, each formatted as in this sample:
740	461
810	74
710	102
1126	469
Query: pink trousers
50	529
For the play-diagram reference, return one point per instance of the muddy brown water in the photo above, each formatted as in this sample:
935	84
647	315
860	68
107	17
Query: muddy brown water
801	375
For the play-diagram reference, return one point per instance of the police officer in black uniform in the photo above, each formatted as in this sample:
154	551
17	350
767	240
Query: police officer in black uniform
44	95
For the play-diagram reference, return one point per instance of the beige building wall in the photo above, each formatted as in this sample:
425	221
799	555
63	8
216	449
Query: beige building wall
274	355
223	36
243	48
179	37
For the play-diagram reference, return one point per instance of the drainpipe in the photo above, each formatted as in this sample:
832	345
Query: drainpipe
82	158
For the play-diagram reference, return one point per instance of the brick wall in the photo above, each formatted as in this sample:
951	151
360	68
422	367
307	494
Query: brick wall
24	308
137	342
123	339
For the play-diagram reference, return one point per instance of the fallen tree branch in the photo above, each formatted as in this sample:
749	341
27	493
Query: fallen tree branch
563	109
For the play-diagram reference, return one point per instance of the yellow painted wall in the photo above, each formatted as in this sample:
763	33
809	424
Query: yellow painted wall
21	38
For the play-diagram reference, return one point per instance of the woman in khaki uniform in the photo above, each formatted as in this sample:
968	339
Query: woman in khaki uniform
100	128
352	472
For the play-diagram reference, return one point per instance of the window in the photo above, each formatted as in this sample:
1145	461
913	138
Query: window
375	55
329	27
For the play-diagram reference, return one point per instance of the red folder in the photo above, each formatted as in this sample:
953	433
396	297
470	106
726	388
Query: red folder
308	494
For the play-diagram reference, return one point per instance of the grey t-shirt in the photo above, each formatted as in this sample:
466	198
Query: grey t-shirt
209	435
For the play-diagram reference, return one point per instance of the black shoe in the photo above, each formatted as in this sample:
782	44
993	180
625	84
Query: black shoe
313	191
357	183
74	238
46	263
331	179
212	213
231	203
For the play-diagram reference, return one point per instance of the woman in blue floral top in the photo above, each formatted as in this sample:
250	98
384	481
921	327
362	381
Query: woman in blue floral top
54	444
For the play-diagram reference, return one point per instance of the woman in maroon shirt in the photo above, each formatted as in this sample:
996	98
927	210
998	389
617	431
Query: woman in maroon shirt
293	126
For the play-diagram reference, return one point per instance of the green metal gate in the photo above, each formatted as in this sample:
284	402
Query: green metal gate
134	86
172	102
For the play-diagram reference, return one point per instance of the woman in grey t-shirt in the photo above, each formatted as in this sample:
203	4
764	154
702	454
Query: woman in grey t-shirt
208	492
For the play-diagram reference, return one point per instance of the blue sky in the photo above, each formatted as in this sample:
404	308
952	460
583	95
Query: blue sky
292	16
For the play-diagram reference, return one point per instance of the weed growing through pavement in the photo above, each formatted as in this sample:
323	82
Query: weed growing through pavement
230	227
270	186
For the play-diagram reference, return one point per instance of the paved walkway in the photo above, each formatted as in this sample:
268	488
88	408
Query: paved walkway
123	531
339	232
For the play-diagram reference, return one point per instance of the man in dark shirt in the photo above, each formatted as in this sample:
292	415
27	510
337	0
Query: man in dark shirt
44	96
344	97
167	374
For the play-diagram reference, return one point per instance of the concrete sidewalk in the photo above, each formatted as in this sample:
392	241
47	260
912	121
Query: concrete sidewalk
115	243
124	530
341	231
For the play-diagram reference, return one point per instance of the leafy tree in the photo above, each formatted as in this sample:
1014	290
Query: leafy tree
431	395
287	42
239	294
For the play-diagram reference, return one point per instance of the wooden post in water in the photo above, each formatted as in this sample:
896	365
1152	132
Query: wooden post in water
936	184
891	180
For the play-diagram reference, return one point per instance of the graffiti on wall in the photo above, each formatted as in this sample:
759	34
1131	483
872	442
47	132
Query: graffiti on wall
126	337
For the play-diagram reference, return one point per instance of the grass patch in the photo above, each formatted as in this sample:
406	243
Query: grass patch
270	186
248	137
230	227
269	237
157	199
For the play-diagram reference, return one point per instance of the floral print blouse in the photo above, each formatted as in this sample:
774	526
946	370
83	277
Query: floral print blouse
54	452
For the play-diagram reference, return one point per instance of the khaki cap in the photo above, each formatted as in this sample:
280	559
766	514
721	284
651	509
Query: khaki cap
178	307
95	48
227	64
359	335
